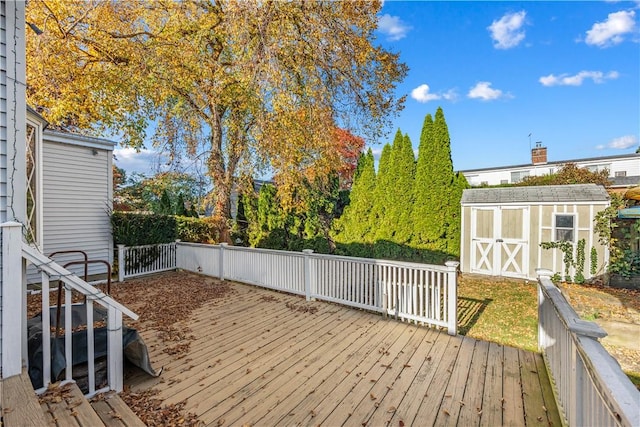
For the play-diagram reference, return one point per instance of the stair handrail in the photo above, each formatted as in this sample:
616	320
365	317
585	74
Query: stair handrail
49	266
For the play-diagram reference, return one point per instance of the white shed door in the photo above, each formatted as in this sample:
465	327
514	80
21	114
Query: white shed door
500	241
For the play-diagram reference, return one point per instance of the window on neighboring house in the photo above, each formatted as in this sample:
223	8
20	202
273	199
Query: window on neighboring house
504	181
564	228
621	173
33	227
599	168
518	176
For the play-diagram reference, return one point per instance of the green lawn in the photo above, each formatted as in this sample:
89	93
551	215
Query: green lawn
500	310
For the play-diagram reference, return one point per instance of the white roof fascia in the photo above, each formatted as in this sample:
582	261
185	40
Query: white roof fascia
534	203
76	139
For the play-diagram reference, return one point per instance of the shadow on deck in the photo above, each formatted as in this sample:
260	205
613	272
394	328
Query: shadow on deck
266	358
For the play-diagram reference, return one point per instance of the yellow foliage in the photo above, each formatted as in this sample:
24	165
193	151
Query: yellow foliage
263	83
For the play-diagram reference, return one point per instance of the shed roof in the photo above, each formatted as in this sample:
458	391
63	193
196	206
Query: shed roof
538	194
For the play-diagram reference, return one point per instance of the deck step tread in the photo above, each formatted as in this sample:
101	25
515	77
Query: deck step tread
20	406
114	412
62	405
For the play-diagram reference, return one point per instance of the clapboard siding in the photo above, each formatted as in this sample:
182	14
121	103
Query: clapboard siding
12	122
76	201
3	142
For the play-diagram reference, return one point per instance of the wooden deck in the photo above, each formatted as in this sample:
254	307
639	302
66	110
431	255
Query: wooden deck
265	358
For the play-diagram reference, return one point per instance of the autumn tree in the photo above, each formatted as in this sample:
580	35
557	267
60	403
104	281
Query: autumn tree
569	173
349	148
164	193
263	84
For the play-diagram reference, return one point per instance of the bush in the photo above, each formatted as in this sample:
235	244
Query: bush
135	229
198	230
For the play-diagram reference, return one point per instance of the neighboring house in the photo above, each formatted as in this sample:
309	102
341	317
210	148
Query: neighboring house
624	170
13	192
64	212
502	228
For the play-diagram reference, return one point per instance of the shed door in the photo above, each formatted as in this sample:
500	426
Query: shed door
500	241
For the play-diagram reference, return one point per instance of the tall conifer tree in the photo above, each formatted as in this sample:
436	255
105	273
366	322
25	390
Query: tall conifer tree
454	225
382	227
400	191
434	193
354	226
422	181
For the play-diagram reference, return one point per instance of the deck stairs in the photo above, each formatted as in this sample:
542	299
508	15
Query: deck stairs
64	405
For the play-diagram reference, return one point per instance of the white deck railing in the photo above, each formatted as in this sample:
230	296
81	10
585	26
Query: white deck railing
14	347
140	260
416	292
590	387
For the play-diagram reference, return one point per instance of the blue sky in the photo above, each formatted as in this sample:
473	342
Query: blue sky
568	73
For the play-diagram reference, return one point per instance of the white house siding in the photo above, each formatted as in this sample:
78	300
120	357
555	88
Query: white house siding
77	199
627	164
12	122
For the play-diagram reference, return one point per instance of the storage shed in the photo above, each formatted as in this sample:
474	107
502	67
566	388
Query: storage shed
502	228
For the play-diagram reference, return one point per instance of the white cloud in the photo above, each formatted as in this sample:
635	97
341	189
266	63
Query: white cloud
621	143
508	32
484	91
143	161
392	27
611	31
423	94
577	79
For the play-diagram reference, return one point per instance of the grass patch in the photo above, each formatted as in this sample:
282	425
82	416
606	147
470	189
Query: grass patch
504	311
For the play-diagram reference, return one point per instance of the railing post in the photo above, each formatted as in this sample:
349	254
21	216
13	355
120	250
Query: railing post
12	294
114	346
121	263
452	297
221	260
542	337
307	273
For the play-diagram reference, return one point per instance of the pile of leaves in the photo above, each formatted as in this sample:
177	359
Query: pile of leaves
302	308
164	304
152	412
162	301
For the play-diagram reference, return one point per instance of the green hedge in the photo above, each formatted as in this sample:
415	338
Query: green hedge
197	230
135	229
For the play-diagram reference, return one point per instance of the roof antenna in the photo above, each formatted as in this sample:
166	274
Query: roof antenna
530	140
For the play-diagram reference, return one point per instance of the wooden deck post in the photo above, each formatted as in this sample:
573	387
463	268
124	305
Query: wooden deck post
307	273
452	297
13	308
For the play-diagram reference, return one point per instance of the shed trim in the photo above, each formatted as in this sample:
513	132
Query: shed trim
79	140
535	203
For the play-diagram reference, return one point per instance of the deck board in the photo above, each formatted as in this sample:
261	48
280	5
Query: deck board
266	358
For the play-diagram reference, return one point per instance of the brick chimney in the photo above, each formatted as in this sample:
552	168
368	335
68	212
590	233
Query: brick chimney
539	154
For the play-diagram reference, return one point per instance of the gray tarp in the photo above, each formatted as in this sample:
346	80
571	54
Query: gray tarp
134	349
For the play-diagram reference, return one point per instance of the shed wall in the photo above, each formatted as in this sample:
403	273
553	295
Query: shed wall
77	200
541	229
